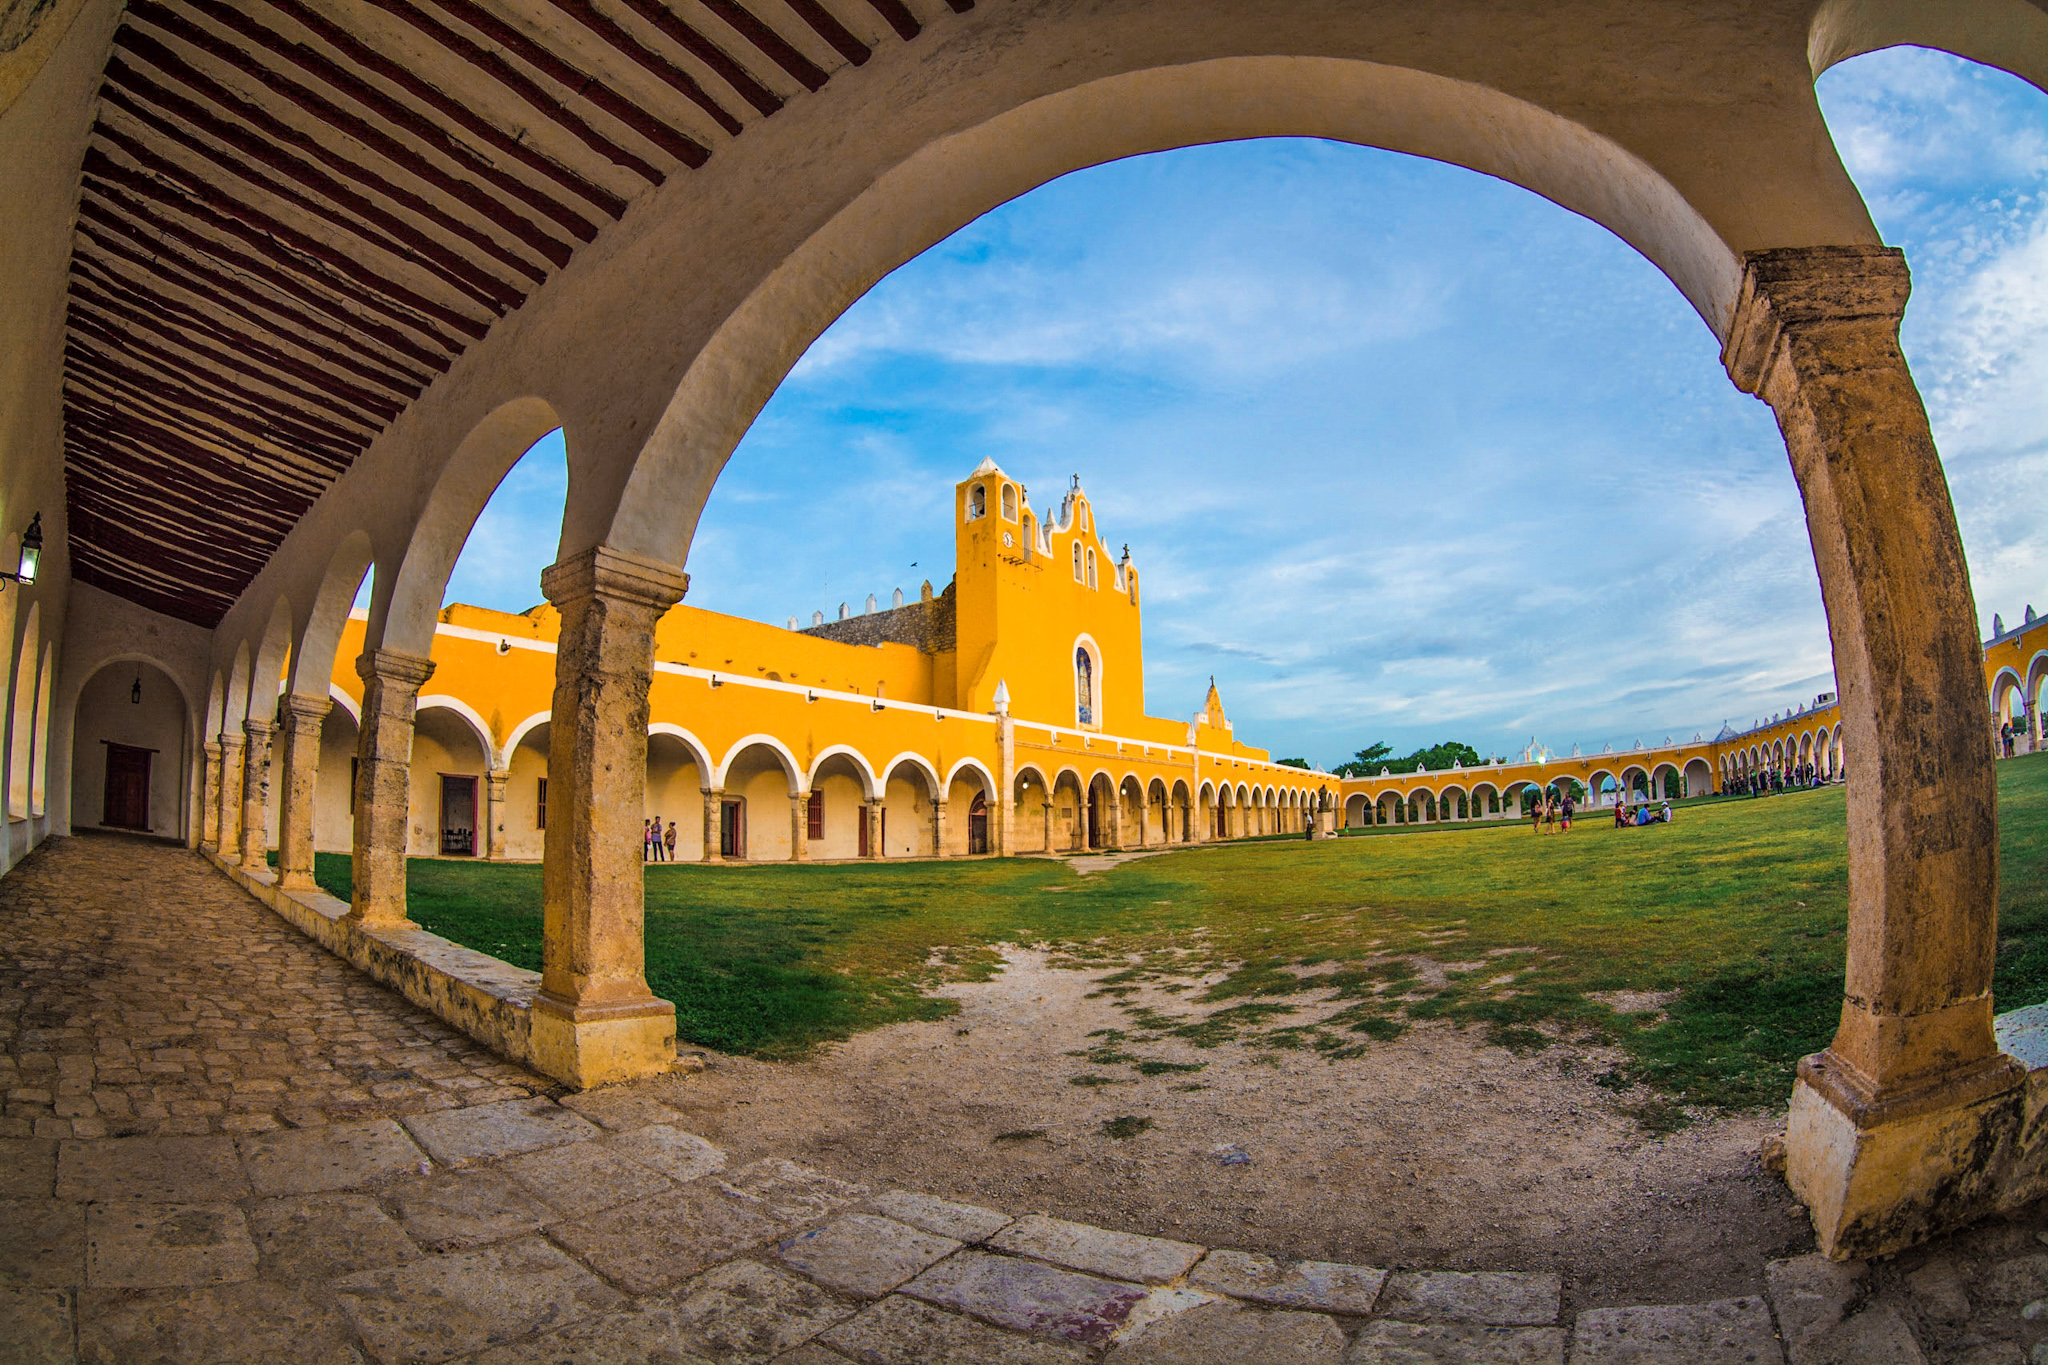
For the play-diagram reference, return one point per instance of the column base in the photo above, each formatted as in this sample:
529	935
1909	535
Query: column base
1879	1174
585	1045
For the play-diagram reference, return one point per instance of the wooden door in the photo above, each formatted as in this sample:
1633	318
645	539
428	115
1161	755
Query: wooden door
732	830
126	804
977	825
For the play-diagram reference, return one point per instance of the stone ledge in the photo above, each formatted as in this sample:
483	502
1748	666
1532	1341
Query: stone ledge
490	1000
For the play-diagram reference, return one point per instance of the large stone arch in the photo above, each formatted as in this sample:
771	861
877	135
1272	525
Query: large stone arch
319	634
402	615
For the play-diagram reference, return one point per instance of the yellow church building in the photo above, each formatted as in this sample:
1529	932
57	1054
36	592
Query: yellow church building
1005	714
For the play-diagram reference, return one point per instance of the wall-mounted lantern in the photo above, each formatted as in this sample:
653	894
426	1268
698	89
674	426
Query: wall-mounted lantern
31	553
135	692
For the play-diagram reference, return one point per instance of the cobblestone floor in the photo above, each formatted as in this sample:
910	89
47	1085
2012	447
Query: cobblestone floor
141	994
224	1146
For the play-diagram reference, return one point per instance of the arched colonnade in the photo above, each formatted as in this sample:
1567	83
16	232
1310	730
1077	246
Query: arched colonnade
1741	202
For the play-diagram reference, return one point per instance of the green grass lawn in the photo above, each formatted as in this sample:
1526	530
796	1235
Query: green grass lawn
1740	906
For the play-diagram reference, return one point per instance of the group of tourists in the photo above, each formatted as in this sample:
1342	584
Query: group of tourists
657	845
1551	813
1642	813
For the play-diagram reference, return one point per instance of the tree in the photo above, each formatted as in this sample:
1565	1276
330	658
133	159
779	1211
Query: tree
1365	762
1292	762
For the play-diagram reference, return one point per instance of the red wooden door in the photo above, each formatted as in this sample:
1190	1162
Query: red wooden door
126	805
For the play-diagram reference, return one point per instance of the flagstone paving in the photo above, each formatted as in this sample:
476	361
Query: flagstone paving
468	1214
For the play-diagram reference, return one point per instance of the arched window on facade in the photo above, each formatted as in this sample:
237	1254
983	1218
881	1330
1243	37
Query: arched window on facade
1091	566
977	502
1009	502
1077	561
1084	685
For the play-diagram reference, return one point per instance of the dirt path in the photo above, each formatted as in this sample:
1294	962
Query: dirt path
1432	1150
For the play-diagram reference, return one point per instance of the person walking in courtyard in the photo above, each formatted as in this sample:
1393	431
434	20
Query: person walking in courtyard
1536	815
1565	814
668	843
646	840
654	839
2005	738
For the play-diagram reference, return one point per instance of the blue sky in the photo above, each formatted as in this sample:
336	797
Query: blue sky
1403	453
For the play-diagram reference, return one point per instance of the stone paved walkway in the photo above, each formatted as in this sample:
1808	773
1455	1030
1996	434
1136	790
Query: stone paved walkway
141	994
223	1146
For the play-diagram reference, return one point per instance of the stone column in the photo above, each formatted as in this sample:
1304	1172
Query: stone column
871	811
230	803
1047	813
800	827
495	797
256	793
302	718
594	1019
209	796
1003	828
714	801
1891	1126
383	795
938	827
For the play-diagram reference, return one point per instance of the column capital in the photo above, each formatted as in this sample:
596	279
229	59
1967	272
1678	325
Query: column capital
211	748
1793	288
255	727
499	774
617	574
393	665
298	710
231	740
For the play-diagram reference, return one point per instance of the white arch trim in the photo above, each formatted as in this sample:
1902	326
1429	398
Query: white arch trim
700	753
345	702
988	780
790	767
462	708
919	762
532	723
871	783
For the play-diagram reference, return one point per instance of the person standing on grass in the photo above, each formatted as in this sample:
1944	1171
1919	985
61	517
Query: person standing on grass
668	841
1565	811
1536	816
646	840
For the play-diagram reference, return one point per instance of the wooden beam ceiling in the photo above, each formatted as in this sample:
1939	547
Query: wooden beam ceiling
295	214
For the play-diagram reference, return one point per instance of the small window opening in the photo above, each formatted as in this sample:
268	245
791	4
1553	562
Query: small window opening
1091	566
1077	561
1009	502
1084	685
977	502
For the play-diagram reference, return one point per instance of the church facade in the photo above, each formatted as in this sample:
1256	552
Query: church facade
1004	714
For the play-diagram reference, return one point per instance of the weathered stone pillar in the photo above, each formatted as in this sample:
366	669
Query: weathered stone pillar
594	1019
209	796
256	792
800	827
1047	813
1893	1126
938	827
495	782
383	795
230	803
302	718
871	811
714	803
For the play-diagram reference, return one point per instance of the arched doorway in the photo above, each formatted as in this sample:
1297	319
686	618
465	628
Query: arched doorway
131	752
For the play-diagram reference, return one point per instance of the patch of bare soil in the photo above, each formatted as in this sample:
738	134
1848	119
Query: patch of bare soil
1433	1150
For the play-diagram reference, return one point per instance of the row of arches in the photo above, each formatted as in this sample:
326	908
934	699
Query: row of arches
2016	701
1813	754
26	684
1456	802
1068	812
